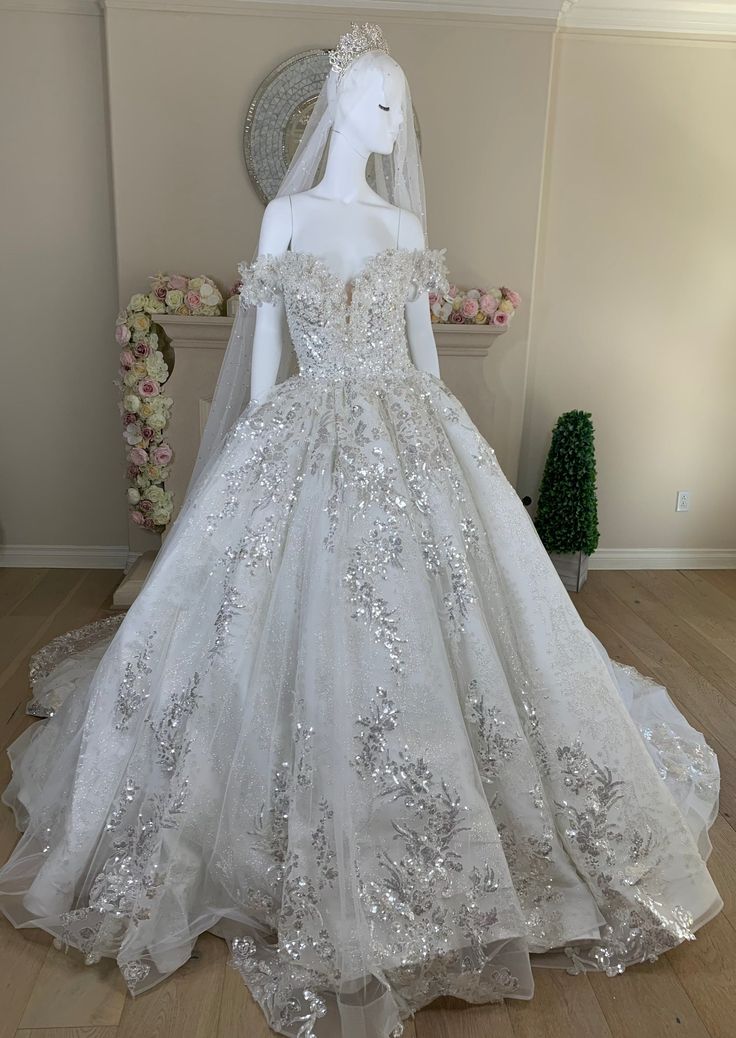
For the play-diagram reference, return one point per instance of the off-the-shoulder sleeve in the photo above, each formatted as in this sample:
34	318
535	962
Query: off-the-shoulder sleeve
261	280
430	271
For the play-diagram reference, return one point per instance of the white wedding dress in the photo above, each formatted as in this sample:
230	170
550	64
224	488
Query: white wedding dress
353	723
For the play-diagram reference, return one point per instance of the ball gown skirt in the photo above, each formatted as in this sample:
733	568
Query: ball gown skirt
353	723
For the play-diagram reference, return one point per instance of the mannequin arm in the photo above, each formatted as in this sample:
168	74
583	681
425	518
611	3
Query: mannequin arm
419	334
268	334
422	345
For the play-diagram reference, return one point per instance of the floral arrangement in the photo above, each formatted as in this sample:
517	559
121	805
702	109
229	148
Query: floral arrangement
144	408
494	306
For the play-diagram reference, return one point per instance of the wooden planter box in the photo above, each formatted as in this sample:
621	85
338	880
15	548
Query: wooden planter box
572	568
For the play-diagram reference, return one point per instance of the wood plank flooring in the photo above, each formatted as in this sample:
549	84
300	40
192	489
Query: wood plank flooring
679	627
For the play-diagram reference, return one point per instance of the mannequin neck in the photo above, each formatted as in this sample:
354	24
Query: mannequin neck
344	177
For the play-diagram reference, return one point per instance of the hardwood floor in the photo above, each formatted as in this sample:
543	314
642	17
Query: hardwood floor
679	627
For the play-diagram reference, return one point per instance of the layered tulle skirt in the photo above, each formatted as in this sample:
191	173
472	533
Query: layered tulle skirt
354	724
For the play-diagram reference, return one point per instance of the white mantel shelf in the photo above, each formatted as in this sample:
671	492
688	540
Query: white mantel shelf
453	340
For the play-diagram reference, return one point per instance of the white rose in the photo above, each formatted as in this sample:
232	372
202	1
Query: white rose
132	403
137	302
155	494
132	434
133	496
157	421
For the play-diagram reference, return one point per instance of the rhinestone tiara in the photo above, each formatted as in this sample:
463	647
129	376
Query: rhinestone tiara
359	40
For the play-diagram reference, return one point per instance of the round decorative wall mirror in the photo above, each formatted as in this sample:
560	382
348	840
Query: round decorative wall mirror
277	115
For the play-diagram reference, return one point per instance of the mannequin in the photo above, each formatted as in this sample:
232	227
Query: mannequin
342	219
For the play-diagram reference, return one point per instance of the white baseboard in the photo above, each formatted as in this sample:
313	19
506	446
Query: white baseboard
119	556
65	556
663	558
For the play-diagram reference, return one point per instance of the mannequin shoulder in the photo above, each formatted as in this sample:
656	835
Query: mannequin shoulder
275	226
411	231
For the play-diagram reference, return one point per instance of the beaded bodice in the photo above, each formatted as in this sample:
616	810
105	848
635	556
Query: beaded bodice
344	329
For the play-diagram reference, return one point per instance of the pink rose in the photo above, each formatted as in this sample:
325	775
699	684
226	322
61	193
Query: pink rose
127	359
469	308
178	283
129	418
149	523
147	432
456	317
453	291
122	334
148	387
138	456
163	454
132	472
141	349
193	301
488	304
145	506
500	318
160	292
433	298
137	517
513	297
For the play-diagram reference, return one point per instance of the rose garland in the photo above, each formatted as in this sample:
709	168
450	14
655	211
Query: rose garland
143	371
496	306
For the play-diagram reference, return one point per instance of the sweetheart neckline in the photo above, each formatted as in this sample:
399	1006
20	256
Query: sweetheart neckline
351	283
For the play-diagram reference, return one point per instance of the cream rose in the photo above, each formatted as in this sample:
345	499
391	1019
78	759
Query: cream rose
157	421
155	494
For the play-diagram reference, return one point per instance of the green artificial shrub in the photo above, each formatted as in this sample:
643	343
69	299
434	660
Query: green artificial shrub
567	512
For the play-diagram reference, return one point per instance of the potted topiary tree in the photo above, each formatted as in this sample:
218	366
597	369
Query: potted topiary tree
567	511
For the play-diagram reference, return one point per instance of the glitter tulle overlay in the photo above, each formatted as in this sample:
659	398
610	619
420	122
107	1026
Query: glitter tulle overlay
353	723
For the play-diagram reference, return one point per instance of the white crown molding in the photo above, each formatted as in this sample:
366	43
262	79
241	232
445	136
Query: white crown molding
545	11
688	17
663	558
89	7
685	17
65	556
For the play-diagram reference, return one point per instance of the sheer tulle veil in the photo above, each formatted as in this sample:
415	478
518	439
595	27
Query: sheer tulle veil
398	178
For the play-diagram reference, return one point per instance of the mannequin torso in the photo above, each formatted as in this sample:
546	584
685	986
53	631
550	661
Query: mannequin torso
344	221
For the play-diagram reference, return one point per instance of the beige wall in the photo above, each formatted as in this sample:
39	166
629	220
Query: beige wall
61	463
634	315
634	175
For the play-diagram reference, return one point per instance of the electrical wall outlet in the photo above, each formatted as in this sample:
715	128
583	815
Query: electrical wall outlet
683	501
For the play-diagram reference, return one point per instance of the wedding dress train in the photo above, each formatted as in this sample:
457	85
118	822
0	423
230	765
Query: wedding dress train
353	722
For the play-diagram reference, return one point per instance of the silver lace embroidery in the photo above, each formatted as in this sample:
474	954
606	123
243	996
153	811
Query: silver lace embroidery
43	662
377	442
134	686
